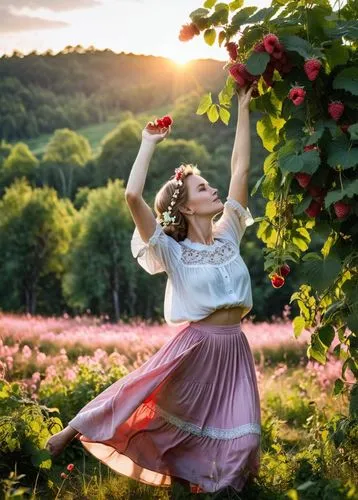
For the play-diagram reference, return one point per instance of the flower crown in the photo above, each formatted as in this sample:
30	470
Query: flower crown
166	218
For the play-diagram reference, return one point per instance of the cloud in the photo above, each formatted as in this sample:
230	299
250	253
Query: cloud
54	5
11	23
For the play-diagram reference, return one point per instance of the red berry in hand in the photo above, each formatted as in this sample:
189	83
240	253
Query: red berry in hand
335	109
284	270
159	123
303	179
167	120
312	67
342	209
277	281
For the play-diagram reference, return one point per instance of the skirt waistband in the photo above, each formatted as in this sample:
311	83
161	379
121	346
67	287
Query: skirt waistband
216	329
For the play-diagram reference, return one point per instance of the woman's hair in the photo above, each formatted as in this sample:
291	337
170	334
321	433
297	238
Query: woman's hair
178	229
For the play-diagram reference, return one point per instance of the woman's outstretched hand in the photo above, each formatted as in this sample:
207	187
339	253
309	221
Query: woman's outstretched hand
154	133
244	94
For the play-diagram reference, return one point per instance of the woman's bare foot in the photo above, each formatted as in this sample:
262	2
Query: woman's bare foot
58	442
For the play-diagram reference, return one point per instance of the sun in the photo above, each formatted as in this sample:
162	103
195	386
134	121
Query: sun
181	59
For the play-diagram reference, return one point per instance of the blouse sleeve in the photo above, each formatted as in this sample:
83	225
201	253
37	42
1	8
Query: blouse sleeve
233	221
160	254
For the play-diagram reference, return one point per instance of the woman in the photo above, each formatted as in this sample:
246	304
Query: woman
191	413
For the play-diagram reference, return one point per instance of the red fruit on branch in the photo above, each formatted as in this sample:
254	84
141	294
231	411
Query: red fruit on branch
239	72
232	49
278	51
303	179
342	209
314	209
311	147
284	270
312	67
297	95
335	109
277	281
259	47
316	190
188	31
270	42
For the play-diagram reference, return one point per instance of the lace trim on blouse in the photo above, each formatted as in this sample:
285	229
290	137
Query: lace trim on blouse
220	255
211	432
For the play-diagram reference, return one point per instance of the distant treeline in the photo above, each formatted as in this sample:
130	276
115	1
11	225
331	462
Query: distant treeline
75	87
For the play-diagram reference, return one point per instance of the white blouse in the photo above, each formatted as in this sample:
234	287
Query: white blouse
201	278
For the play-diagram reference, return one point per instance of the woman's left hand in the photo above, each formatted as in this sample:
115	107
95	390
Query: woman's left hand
244	94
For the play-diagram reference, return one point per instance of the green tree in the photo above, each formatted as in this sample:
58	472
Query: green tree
66	154
21	162
119	150
99	262
34	237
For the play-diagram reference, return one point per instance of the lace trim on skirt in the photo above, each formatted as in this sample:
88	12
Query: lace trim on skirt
211	432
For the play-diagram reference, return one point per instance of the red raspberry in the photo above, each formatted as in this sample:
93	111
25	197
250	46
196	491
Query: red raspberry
277	281
314	208
260	47
303	179
70	467
342	209
278	51
239	72
188	31
232	49
315	190
335	109
312	67
310	147
284	270
167	120
159	123
270	41
297	95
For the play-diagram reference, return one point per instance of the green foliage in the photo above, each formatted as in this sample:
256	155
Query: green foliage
66	147
289	228
34	237
101	240
25	427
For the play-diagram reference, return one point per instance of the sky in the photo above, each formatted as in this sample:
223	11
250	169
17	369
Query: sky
149	27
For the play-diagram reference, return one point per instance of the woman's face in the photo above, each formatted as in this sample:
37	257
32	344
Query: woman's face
202	198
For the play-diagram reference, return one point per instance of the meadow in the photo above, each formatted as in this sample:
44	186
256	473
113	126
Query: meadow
51	367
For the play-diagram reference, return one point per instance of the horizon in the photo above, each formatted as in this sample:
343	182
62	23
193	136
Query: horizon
140	27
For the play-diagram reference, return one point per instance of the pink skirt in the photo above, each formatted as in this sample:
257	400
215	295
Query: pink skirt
191	411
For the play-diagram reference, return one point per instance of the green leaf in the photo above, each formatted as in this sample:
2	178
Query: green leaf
338	386
353	131
209	4
350	188
210	36
298	326
353	402
213	113
221	37
236	4
317	350
221	6
336	54
340	152
204	104
224	115
352	322
321	274
242	16
198	13
257	62
297	44
348	29
347	80
326	335
262	14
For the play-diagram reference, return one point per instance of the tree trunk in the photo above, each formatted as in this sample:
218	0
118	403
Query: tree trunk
115	295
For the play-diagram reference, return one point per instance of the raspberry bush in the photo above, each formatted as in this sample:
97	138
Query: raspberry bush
304	57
